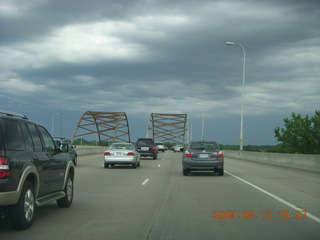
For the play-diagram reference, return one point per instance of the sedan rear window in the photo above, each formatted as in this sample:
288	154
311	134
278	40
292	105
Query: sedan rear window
204	145
121	146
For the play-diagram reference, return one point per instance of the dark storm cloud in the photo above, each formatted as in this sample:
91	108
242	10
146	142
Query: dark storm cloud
161	56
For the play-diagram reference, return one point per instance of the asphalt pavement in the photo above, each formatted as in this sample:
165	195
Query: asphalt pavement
155	201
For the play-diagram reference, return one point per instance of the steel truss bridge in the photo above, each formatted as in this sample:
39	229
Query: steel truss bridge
168	127
108	126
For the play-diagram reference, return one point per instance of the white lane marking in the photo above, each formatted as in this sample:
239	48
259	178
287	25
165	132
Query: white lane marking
277	198
158	165
145	181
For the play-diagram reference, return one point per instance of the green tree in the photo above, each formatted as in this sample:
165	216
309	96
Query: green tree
300	135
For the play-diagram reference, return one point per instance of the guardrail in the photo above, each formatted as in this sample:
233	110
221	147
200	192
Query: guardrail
297	161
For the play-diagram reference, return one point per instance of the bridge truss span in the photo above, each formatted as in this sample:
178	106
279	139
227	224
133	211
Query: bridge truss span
168	127
108	126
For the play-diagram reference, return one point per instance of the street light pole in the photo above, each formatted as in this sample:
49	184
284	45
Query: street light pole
202	126
242	95
52	127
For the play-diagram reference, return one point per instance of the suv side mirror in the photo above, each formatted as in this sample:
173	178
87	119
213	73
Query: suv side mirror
64	147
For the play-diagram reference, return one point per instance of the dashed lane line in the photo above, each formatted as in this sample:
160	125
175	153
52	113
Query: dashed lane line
145	181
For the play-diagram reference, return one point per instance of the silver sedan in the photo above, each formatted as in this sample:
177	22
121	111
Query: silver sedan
121	153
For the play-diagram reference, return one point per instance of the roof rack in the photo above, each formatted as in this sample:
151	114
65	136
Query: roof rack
13	114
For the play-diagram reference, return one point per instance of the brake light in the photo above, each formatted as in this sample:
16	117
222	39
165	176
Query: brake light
107	153
187	154
130	154
4	167
220	154
154	149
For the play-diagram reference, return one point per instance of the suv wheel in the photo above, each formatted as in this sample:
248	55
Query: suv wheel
75	160
21	214
220	172
185	172
66	201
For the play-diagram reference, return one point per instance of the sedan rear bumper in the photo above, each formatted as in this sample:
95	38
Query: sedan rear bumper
204	168
124	160
203	165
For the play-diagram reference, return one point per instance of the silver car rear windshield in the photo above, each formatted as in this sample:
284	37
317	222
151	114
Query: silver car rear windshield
121	146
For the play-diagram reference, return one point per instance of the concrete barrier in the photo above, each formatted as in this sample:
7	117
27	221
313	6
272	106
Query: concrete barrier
298	161
86	150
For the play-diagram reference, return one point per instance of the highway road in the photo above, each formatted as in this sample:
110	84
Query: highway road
156	202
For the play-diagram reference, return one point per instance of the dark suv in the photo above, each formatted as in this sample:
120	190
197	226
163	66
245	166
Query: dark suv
147	147
33	170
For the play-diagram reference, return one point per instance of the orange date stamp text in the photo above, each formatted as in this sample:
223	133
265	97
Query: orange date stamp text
264	214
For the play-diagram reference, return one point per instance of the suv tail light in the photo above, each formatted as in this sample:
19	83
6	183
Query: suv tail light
107	153
130	154
4	167
220	154
187	154
154	149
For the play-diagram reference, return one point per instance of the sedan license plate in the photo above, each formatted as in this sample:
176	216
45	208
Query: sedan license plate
144	148
202	155
119	154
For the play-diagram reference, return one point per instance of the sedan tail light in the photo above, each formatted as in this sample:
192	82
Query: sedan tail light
220	154
187	154
130	154
107	153
4	167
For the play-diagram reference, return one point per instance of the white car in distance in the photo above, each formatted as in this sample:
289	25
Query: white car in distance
123	154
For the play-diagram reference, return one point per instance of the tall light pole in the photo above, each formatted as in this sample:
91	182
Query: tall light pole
242	95
203	126
52	127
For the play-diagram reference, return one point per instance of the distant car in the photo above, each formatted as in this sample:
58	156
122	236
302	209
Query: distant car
65	146
121	153
178	148
161	147
203	156
147	147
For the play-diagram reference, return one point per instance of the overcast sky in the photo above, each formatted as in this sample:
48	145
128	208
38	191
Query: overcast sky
165	56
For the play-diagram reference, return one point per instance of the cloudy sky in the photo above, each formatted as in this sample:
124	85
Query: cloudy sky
162	56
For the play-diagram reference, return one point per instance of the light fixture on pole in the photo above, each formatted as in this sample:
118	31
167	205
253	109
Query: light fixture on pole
242	95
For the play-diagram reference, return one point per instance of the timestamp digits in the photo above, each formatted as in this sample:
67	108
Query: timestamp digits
265	214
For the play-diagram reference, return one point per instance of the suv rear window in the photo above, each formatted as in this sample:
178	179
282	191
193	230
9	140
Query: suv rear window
145	142
12	135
